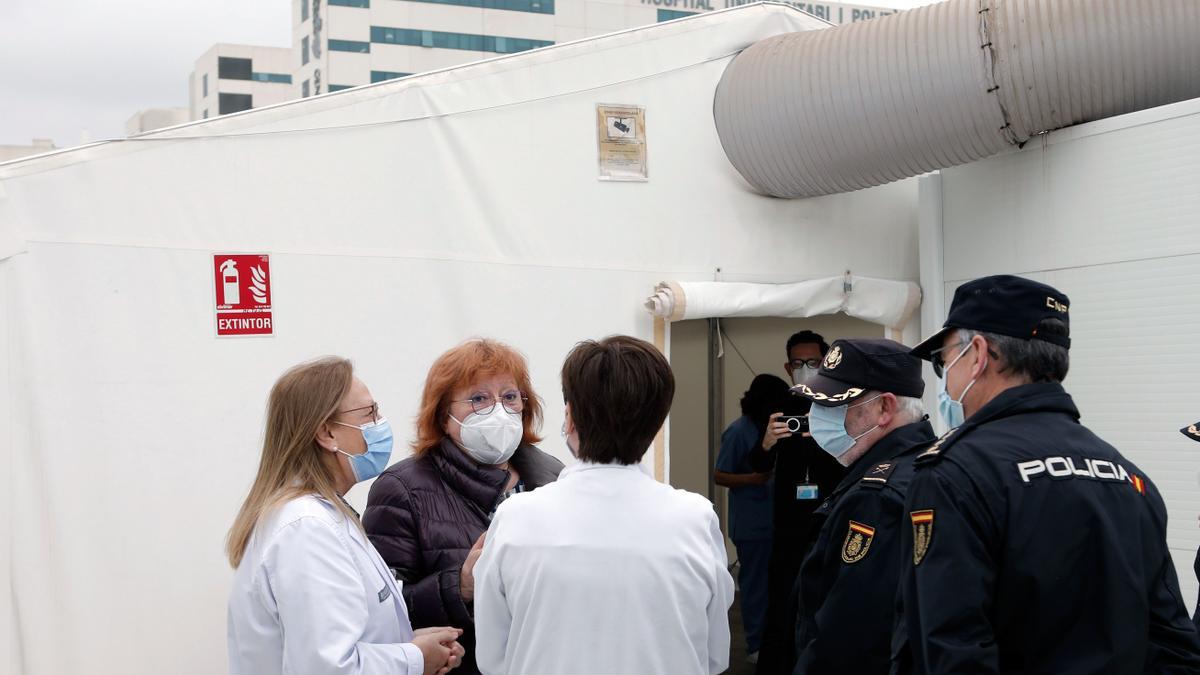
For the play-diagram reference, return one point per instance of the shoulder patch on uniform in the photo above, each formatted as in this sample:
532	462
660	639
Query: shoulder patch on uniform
934	451
922	522
858	542
1138	483
878	475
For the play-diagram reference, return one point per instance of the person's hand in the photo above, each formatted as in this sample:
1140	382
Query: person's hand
466	581
757	478
439	648
775	431
456	656
456	650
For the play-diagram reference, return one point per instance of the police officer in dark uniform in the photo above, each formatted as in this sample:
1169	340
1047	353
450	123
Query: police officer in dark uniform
1033	545
866	413
1192	431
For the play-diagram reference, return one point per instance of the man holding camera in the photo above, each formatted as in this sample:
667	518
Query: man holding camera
867	414
804	475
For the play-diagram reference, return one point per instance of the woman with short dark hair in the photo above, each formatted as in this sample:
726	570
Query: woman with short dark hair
606	570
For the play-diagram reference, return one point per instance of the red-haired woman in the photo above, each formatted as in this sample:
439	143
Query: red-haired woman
475	433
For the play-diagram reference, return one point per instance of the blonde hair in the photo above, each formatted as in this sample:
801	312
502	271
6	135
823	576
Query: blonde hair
292	465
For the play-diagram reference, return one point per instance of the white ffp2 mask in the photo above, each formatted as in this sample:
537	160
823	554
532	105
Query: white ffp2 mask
492	438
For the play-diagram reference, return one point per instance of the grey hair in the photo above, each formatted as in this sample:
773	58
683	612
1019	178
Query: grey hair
1038	360
911	409
908	409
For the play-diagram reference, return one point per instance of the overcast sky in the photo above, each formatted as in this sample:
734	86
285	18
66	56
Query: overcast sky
70	66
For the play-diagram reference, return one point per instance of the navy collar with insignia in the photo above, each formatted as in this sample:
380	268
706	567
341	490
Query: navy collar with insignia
1019	400
903	440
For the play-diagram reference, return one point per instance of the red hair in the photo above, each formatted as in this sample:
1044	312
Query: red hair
459	367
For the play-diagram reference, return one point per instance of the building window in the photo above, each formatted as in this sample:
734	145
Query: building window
366	4
669	14
304	89
384	75
304	47
231	103
350	46
277	78
535	6
465	41
229	68
206	113
204	86
303	11
340	87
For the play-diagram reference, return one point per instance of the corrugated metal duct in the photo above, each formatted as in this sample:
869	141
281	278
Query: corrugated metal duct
867	103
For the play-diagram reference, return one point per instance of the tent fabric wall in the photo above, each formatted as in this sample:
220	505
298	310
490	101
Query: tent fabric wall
8	636
1106	212
134	432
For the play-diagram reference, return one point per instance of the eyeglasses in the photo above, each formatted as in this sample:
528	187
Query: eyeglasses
483	402
811	363
935	358
373	408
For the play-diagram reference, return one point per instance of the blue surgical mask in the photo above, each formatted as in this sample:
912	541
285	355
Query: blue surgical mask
951	409
371	463
828	428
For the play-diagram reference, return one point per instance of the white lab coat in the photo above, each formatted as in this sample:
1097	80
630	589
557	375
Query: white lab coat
313	597
604	571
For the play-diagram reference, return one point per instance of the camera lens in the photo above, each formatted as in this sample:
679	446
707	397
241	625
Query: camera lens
793	424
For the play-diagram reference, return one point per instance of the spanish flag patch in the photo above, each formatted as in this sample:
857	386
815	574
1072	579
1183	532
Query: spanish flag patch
1138	483
922	522
858	542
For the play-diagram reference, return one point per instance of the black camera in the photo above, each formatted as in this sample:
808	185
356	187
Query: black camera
796	423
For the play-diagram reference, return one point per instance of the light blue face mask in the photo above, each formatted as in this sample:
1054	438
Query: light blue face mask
828	428
371	463
951	409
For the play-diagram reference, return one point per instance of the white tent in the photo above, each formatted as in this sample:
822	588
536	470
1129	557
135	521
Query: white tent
399	219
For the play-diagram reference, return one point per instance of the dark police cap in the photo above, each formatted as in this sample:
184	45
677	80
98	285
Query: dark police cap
1192	432
854	367
1004	305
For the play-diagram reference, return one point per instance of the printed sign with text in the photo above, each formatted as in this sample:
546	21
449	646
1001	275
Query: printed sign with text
243	294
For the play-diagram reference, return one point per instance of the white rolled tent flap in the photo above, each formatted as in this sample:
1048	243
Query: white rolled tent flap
881	301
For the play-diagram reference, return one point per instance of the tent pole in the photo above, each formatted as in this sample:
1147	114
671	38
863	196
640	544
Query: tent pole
660	444
716	402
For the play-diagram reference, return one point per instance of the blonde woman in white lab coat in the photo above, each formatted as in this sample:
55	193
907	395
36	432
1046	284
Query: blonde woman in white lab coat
310	594
605	571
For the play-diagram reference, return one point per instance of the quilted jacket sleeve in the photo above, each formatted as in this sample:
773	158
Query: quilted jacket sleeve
393	526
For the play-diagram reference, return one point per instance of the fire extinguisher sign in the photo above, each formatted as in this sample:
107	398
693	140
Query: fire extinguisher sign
243	298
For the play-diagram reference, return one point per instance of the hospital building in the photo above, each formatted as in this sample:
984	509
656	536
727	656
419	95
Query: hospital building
338	44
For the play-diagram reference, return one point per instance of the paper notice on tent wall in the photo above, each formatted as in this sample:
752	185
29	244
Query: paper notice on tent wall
621	134
242	287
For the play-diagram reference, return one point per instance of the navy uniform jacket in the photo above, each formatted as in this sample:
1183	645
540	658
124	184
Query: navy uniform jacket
847	585
1034	547
1196	568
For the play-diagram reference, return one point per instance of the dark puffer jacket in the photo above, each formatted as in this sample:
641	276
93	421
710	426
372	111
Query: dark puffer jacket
424	514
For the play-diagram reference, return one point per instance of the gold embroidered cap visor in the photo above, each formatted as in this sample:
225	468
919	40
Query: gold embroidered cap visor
855	367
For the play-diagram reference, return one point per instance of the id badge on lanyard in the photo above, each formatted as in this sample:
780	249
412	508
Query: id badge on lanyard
806	491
